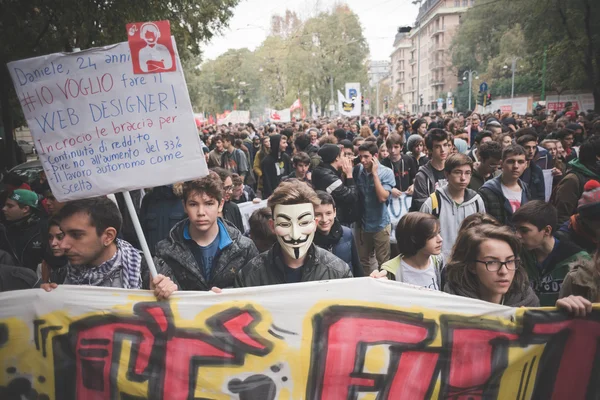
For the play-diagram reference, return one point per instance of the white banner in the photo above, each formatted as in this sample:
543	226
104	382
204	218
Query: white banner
236	117
100	129
284	115
356	338
548	179
347	107
247	209
397	208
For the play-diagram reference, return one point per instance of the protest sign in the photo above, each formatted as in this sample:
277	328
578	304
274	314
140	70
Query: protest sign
151	47
280	115
100	129
345	339
397	208
247	208
234	117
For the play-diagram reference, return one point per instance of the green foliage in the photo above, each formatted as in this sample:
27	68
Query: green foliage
295	60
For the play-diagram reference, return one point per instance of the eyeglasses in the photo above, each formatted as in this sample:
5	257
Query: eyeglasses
228	188
495	266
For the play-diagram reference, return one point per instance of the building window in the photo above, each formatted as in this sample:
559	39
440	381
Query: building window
465	3
456	3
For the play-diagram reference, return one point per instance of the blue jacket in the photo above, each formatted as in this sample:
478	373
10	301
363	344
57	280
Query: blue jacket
340	242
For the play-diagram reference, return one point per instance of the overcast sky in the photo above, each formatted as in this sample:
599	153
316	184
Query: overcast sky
251	22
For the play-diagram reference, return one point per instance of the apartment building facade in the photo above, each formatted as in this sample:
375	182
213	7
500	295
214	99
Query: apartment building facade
421	61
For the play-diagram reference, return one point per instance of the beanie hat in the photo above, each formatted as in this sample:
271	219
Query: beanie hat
461	146
25	197
589	203
412	141
329	152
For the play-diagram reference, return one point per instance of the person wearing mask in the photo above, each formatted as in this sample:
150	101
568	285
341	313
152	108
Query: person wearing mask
333	236
431	176
375	183
202	251
533	175
571	187
490	155
97	257
416	149
22	235
454	202
294	258
341	186
504	194
276	165
485	265
403	166
215	156
545	258
419	244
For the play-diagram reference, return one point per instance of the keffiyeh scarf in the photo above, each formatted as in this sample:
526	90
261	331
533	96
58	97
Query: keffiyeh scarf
127	261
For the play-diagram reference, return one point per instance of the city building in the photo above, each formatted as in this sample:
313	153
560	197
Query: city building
377	71
421	61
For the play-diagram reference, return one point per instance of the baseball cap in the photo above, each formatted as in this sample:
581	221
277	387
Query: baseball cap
25	197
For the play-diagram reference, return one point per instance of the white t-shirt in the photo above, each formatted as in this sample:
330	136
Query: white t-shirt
420	277
514	198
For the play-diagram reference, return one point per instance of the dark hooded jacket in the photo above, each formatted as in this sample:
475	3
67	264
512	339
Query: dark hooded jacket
340	241
344	193
161	210
274	167
269	268
231	213
175	260
23	240
533	176
496	204
424	185
525	298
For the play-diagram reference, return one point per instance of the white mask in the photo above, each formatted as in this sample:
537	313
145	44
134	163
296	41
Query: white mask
295	228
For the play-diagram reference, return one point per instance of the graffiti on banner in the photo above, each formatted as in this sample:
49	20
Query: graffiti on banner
99	128
247	209
341	339
397	208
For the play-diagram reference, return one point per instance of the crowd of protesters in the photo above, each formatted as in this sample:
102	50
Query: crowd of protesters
480	224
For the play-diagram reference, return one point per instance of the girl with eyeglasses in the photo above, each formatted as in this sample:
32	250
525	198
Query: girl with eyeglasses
485	266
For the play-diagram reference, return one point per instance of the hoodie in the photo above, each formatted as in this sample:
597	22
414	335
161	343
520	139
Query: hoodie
425	184
274	167
570	188
451	215
496	204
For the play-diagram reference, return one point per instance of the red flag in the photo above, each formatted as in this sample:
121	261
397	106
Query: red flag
296	105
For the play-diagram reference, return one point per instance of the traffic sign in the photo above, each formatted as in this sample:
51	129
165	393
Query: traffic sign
483	87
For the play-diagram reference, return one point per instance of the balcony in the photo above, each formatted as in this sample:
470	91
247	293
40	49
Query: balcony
439	47
437	64
412	61
410	89
437	30
437	82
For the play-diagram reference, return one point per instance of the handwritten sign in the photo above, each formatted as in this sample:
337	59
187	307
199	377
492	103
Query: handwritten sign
397	208
346	339
100	129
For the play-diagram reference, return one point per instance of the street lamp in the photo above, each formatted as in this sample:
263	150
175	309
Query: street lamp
469	75
512	90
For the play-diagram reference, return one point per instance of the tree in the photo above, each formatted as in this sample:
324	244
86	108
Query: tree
37	27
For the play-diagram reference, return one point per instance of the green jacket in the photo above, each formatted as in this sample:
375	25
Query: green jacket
547	282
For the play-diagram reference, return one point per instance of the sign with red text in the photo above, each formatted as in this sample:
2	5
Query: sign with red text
151	47
347	339
98	128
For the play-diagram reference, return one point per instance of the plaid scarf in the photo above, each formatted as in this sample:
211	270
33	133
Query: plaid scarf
126	262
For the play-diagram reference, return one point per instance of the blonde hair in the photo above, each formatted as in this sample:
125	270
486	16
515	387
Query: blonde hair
293	191
365	131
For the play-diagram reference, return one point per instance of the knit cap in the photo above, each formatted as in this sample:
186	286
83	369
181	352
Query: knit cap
589	203
412	141
329	152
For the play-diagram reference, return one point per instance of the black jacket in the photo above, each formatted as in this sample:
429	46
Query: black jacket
274	167
23	240
268	268
405	174
496	204
345	195
175	260
231	213
424	185
161	210
533	176
340	241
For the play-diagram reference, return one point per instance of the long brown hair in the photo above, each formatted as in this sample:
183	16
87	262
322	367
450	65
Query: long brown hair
466	249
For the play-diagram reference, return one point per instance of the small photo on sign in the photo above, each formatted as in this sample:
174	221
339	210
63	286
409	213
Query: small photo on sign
151	47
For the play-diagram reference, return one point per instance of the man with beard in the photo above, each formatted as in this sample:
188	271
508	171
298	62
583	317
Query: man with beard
294	258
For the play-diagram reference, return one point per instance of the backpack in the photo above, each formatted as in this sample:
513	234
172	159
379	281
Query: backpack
436	200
